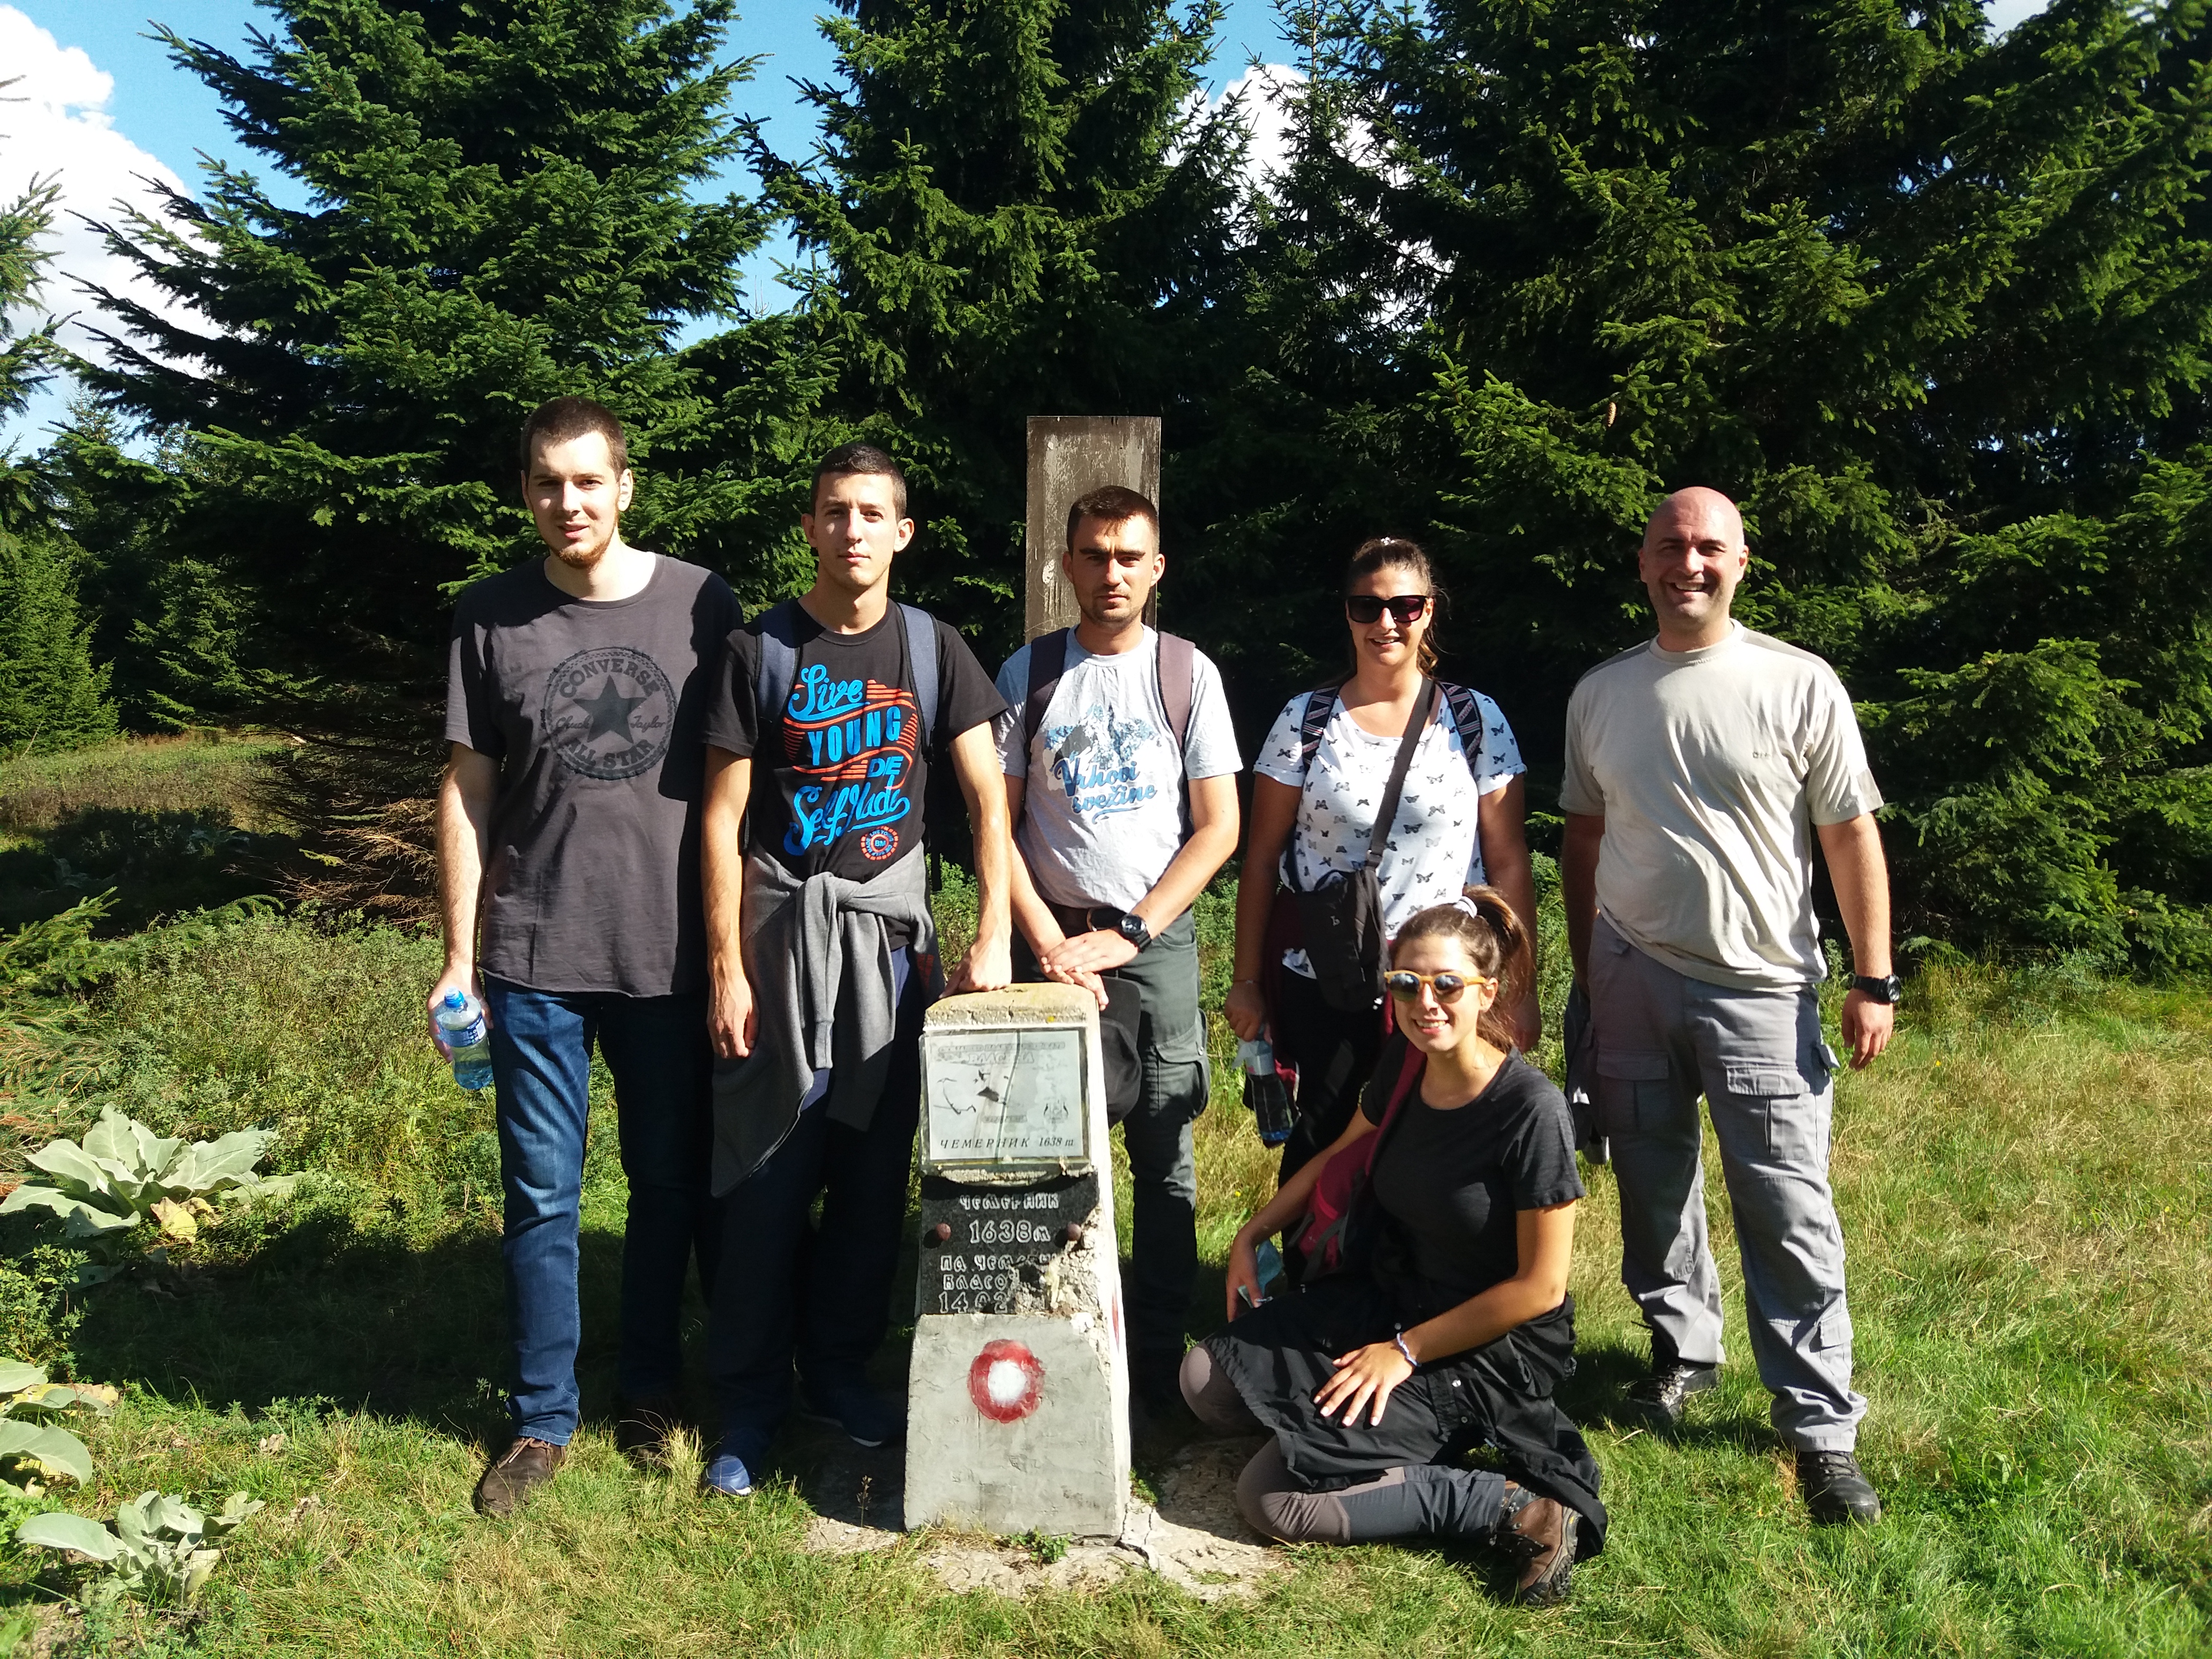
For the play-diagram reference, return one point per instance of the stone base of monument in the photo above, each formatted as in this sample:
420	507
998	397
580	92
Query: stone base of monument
1195	1539
1016	1424
1017	1390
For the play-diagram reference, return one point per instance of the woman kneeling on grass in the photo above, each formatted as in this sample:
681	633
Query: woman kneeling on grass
1455	1329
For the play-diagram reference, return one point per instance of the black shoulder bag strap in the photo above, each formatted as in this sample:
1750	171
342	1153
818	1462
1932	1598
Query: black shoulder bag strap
1424	710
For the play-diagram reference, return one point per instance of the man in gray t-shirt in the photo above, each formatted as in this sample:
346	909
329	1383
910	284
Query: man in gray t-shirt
1700	767
1120	768
568	875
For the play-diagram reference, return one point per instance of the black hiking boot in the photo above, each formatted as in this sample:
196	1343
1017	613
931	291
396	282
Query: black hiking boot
1837	1491
1660	1397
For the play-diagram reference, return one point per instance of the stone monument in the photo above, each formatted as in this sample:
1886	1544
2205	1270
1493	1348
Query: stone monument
1018	1393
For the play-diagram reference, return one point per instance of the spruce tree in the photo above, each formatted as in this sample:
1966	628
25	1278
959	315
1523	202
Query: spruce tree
500	210
52	695
1018	207
1930	304
28	353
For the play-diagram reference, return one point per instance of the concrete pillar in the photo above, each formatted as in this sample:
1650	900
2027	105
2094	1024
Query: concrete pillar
1070	455
1017	1396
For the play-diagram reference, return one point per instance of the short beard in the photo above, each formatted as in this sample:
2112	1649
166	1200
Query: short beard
578	558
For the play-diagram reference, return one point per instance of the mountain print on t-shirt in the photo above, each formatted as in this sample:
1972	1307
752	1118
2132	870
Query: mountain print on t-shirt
1095	761
852	742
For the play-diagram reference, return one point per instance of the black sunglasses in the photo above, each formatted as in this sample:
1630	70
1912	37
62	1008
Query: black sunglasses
1365	608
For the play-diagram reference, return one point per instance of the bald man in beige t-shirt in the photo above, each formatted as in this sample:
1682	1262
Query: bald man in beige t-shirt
1700	766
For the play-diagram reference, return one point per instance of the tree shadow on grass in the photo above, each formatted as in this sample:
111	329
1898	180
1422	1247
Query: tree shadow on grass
158	862
361	1321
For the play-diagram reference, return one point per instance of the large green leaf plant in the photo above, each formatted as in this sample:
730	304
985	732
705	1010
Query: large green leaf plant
32	1442
125	1175
162	1550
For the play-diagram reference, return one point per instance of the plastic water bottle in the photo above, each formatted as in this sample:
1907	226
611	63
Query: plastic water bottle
1272	1111
1271	1265
467	1037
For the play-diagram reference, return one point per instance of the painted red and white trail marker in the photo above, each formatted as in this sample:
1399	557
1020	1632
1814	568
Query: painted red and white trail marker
1005	1381
1019	1393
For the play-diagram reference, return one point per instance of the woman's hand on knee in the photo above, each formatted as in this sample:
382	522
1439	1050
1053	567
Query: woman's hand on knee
1375	1371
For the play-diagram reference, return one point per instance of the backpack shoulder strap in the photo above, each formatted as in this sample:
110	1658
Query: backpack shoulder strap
1178	672
1467	717
1047	662
922	657
779	659
1320	704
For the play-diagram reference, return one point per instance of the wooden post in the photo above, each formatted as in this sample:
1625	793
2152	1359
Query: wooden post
1070	455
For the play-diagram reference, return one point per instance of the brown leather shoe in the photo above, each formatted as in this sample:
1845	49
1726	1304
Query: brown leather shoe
643	1428
524	1467
1540	1533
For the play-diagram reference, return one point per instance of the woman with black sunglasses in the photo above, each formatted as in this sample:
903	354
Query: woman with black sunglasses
1444	1321
1319	782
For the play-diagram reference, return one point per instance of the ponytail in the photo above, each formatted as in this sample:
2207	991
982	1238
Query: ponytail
1496	942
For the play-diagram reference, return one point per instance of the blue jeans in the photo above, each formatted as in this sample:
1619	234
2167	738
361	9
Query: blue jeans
541	1059
820	1294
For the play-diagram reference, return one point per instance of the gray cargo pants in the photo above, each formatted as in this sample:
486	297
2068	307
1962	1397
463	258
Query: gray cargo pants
1759	1059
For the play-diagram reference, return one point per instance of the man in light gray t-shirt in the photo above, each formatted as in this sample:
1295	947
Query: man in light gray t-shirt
1120	767
1700	766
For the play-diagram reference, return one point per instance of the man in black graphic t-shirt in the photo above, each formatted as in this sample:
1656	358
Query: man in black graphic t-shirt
826	713
568	837
838	784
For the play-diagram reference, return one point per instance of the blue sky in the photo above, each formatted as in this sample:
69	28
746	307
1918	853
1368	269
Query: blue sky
115	107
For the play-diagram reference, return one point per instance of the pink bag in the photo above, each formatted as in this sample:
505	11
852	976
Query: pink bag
1329	1239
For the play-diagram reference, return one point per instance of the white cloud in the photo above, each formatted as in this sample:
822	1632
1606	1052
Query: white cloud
55	125
1266	91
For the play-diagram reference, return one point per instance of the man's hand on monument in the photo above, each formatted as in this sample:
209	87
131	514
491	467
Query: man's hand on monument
1097	951
1375	1370
731	1018
986	965
1867	1026
1082	981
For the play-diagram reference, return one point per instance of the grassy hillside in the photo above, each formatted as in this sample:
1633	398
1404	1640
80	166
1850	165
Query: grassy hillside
2024	1184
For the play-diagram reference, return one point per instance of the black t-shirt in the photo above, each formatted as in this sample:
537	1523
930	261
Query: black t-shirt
593	709
843	772
1451	1182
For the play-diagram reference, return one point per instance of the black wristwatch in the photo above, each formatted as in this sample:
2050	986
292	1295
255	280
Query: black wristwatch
1132	927
1888	988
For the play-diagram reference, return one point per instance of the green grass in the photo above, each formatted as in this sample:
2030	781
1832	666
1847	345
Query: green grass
2024	1184
171	824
